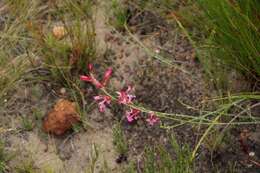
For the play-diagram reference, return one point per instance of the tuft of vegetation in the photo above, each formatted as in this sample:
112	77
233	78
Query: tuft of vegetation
14	42
27	124
119	13
94	162
234	36
130	168
94	155
159	160
119	140
26	167
2	158
52	41
69	45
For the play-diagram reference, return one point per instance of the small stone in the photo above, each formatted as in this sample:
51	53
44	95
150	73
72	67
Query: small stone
61	118
251	154
63	91
157	51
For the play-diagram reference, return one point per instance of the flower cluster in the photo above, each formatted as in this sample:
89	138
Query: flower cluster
152	119
132	114
124	97
103	102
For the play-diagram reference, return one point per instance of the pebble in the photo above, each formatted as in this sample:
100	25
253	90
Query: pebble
251	154
63	91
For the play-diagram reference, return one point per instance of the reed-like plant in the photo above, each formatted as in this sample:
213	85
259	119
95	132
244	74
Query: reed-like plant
235	38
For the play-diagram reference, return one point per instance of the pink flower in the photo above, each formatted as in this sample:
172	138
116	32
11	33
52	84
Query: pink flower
124	97
152	119
103	102
91	78
90	67
107	76
132	115
86	78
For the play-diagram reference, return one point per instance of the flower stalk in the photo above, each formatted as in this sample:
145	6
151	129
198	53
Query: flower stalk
125	98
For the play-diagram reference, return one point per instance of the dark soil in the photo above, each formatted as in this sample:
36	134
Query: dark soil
164	88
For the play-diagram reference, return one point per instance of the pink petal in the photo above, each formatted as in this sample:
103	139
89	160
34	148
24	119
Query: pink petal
152	119
107	76
129	88
124	97
136	112
96	82
107	99
102	107
129	118
96	98
86	78
108	73
90	67
132	114
129	115
130	98
103	102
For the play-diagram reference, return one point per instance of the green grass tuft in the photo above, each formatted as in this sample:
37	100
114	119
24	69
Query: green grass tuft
234	29
119	13
159	160
27	124
26	167
119	140
2	158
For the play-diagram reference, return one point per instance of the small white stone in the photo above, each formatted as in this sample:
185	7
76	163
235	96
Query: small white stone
63	91
157	51
5	100
249	165
251	154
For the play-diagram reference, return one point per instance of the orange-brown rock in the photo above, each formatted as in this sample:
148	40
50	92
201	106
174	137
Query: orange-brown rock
61	117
